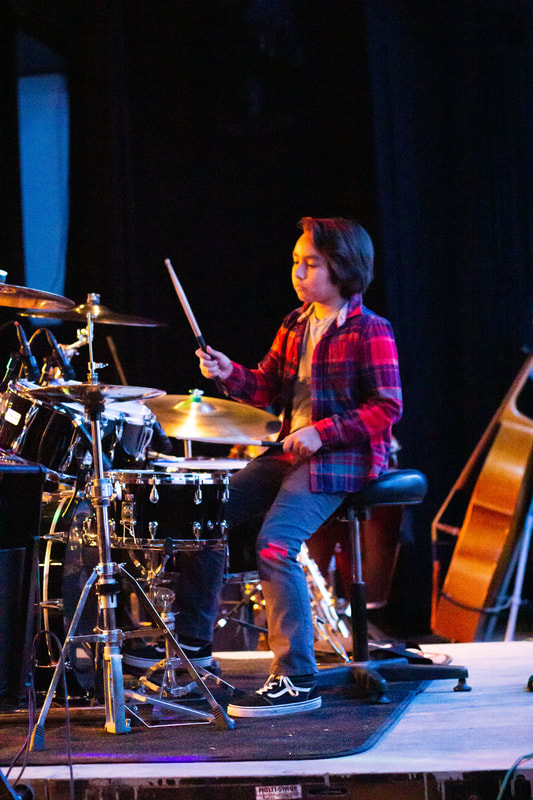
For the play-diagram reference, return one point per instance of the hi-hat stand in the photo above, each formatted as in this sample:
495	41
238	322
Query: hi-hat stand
104	580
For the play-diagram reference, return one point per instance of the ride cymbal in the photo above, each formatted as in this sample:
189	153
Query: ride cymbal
210	419
22	297
99	313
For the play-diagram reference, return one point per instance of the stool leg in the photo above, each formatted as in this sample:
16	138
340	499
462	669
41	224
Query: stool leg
357	592
388	664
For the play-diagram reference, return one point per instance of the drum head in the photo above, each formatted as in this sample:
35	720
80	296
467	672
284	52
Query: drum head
177	464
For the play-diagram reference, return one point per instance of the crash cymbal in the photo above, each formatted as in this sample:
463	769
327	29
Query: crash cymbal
22	297
99	313
87	392
210	419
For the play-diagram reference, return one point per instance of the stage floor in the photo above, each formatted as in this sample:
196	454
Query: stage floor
442	734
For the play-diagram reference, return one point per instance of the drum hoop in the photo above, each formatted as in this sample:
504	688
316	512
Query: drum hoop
153	478
161	545
124	412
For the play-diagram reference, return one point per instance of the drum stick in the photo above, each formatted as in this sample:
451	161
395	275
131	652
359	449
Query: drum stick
114	356
190	316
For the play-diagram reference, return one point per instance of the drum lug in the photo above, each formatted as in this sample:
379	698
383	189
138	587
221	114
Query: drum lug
89	531
116	438
127	516
154	494
196	529
225	494
128	519
146	438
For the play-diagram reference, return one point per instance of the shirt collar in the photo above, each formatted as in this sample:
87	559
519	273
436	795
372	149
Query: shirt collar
353	306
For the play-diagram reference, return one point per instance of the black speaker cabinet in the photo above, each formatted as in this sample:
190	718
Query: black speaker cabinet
21	486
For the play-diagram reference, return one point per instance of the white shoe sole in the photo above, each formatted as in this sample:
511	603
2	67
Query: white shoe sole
273	711
146	663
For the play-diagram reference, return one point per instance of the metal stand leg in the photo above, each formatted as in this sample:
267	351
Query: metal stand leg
114	692
516	597
37	737
115	719
219	716
514	574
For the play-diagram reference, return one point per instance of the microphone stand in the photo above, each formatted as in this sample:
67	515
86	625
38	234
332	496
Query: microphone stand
105	576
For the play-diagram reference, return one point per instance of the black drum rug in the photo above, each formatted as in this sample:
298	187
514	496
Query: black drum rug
344	725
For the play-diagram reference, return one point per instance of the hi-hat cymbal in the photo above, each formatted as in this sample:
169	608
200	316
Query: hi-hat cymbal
22	297
99	313
209	419
88	392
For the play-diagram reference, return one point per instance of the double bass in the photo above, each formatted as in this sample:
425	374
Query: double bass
468	601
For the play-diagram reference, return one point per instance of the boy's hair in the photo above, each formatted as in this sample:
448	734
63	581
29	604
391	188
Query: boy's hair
348	249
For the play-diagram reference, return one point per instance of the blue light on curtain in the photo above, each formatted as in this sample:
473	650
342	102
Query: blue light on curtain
44	157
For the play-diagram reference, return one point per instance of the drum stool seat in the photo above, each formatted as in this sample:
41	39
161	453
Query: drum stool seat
372	666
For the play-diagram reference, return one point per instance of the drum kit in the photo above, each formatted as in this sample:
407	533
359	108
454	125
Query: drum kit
92	441
106	492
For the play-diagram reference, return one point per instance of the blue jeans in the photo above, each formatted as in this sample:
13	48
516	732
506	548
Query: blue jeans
273	487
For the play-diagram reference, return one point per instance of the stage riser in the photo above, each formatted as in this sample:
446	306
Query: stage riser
479	785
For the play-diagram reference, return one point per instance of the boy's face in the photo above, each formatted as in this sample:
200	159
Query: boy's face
311	276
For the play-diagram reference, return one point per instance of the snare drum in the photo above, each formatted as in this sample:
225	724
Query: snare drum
240	538
147	508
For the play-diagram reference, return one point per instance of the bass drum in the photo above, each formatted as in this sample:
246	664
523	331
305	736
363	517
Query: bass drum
69	555
70	543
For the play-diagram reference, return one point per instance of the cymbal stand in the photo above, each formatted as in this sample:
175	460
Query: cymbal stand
107	587
69	350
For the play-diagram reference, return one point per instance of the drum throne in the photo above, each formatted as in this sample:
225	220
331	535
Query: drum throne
374	666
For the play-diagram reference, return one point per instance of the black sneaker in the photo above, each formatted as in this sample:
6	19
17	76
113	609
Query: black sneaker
145	656
279	695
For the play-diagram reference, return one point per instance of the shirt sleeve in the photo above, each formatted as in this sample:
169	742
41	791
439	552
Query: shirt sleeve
260	387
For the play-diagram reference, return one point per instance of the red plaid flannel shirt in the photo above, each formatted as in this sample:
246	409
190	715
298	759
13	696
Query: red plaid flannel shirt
355	389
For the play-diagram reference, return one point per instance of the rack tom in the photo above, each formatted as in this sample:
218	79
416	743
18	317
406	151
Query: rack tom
42	433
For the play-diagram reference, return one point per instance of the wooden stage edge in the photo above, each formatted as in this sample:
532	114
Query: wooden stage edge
446	746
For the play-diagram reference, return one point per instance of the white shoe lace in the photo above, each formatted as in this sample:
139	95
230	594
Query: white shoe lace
277	681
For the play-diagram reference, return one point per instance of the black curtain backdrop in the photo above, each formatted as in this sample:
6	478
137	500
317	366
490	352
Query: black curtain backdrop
450	92
202	131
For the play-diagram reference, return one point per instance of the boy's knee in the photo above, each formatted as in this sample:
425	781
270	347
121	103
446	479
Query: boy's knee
270	551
